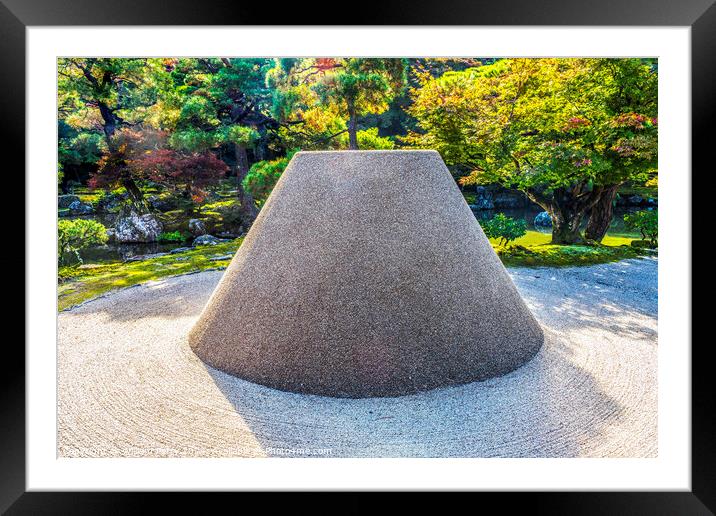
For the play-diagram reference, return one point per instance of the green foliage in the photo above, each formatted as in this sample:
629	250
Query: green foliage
566	131
368	139
504	229
173	236
263	175
543	124
361	84
193	140
319	98
74	235
645	222
217	102
240	135
83	148
116	82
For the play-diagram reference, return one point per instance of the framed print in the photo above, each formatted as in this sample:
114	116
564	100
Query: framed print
418	252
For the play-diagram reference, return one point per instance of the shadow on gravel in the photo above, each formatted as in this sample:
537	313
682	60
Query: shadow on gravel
548	408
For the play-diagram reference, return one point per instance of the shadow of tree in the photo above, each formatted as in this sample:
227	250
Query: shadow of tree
613	297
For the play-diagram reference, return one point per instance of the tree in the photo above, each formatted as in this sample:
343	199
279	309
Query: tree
143	155
630	97
554	128
78	151
223	105
343	88
106	94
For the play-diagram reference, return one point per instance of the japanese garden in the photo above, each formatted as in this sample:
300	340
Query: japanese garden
357	257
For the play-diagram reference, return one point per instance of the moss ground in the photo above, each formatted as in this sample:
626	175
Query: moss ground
79	284
548	255
535	250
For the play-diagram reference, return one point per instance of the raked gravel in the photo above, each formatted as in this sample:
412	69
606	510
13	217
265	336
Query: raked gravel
129	385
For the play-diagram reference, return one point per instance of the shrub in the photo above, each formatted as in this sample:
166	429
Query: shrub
368	139
504	229
174	236
74	235
263	175
645	222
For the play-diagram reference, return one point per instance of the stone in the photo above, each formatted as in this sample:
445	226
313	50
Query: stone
636	200
177	250
230	235
197	227
483	199
162	204
543	220
110	203
135	228
205	240
79	208
509	200
365	274
64	201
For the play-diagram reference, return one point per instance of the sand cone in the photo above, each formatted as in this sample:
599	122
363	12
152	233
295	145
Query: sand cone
365	274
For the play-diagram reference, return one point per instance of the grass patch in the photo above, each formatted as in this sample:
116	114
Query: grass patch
218	206
533	238
77	285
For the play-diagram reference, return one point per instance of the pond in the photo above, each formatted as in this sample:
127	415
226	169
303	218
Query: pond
114	252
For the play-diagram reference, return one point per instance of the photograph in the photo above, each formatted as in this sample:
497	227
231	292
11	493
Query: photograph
357	257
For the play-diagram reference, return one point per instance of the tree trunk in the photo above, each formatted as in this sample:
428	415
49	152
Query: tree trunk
136	196
601	215
352	127
110	123
567	208
246	200
565	227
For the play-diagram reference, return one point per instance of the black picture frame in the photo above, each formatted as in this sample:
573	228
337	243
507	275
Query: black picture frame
700	15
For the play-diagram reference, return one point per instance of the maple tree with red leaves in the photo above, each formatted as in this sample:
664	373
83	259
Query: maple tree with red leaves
143	155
